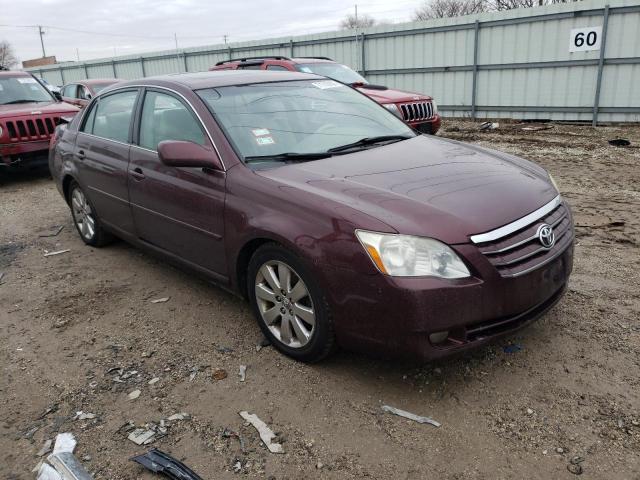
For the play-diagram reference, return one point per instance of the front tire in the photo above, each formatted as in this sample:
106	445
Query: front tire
289	305
85	219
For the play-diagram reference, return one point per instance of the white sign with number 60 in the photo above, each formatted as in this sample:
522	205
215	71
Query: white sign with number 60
584	39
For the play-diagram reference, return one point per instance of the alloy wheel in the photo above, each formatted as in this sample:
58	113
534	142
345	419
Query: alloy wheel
82	214
285	304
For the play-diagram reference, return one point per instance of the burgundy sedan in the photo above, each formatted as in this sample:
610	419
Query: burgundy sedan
338	223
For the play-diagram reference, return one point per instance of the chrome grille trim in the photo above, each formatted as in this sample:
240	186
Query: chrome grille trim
522	242
518	224
414	111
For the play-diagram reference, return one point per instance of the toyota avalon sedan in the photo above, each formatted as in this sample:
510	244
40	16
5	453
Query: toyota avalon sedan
338	223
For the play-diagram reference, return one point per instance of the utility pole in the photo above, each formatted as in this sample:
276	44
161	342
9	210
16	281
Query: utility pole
41	40
175	37
225	38
357	49
78	54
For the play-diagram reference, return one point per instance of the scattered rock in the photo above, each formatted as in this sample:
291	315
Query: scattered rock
142	436
576	469
154	380
529	411
135	394
560	450
219	374
179	416
84	415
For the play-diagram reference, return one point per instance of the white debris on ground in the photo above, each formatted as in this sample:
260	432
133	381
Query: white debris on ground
243	373
266	434
410	416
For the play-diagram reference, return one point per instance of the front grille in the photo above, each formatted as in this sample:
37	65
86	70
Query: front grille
521	251
412	112
31	129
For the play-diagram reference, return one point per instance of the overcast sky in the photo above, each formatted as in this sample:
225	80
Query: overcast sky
124	27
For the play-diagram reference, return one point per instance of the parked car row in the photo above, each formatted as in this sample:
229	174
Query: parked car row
338	222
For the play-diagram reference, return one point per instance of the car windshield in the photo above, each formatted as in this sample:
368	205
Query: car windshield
300	117
22	90
337	71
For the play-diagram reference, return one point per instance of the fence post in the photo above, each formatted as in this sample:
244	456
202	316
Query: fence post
113	67
291	48
86	72
603	44
476	33
62	75
363	64
230	55
144	73
184	58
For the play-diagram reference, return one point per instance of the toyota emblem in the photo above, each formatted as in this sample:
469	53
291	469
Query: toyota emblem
546	236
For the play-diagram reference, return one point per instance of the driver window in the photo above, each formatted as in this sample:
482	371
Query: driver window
164	117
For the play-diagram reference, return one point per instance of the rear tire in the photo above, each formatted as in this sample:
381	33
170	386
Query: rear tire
289	305
85	218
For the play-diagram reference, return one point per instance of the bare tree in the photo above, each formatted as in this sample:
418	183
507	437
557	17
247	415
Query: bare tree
511	4
350	23
7	58
449	8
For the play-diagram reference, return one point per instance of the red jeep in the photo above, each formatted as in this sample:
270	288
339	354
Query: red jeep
419	111
29	114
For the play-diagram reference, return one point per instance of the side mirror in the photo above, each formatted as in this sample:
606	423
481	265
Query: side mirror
58	96
178	153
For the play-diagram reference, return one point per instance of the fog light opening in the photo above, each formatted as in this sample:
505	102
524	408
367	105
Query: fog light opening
439	337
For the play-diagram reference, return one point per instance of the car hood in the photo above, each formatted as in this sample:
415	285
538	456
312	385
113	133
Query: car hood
391	95
36	108
427	186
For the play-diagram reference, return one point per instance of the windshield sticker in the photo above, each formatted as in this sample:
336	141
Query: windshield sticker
324	84
27	80
265	140
1	87
305	70
259	132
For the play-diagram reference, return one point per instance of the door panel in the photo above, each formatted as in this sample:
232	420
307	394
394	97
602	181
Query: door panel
102	157
179	210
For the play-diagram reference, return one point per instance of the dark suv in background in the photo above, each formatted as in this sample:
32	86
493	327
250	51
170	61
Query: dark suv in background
418	110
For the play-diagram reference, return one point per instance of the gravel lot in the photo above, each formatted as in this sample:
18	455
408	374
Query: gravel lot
69	322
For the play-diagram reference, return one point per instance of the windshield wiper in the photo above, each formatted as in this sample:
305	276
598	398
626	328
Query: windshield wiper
288	156
370	141
23	100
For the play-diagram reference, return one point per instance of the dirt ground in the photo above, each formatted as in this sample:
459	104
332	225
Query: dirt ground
75	326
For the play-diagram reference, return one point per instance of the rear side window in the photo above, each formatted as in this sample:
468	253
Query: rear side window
277	67
111	116
164	117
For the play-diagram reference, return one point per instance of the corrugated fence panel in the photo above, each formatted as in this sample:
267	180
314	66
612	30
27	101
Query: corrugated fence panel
521	65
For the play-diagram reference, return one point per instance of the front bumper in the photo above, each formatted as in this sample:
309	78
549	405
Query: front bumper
395	316
27	154
430	126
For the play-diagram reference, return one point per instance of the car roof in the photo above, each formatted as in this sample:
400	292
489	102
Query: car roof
98	81
220	78
13	73
312	60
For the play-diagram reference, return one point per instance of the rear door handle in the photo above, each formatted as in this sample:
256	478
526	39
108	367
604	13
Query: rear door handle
81	154
137	174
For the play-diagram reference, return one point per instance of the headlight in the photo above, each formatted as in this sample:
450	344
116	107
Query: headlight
393	108
409	256
553	182
0	131
435	106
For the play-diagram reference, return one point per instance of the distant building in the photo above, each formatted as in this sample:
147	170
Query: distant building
38	62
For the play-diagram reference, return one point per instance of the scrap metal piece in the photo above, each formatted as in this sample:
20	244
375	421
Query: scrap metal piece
160	462
46	472
65	442
68	466
410	416
266	434
51	254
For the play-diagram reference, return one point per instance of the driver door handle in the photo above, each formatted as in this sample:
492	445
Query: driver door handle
137	173
81	155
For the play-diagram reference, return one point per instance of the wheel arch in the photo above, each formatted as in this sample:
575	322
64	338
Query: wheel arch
66	185
242	261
